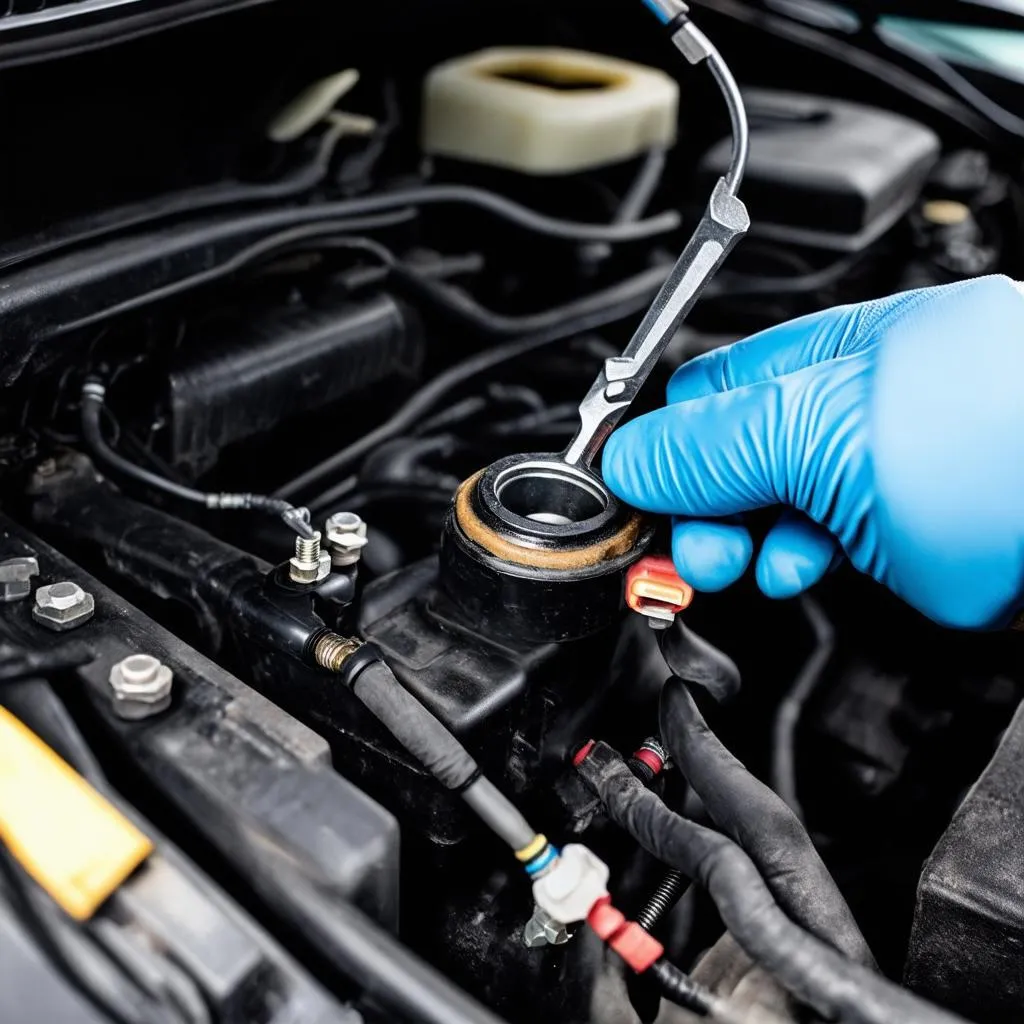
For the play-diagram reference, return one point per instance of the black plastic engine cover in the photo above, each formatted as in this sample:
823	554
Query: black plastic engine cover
291	362
967	944
824	172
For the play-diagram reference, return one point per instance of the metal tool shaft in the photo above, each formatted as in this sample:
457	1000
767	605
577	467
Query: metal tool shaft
724	222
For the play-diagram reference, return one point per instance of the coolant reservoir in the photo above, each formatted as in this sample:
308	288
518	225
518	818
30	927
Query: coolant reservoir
547	110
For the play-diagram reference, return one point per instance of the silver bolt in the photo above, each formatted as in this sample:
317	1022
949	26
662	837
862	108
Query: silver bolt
141	686
309	564
16	578
62	606
346	538
543	930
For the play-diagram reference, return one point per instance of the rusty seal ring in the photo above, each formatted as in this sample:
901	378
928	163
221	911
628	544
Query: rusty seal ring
551	541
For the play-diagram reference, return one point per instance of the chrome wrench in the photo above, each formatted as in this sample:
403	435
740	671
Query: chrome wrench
723	224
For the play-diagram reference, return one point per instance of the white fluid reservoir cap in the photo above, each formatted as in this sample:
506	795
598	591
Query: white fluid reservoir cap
543	110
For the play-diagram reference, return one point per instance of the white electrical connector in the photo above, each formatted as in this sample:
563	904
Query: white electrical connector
568	891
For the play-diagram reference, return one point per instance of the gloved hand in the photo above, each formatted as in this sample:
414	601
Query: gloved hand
894	428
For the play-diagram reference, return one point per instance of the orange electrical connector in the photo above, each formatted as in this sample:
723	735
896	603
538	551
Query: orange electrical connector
655	589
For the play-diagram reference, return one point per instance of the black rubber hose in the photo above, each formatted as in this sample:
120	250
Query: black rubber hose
462	307
679	988
414	726
809	968
761	822
692	658
233	194
424	736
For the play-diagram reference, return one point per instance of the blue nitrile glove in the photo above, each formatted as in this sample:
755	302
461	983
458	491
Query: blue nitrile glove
895	427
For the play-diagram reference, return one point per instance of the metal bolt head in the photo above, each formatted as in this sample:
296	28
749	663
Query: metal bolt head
141	686
543	930
62	606
16	578
346	538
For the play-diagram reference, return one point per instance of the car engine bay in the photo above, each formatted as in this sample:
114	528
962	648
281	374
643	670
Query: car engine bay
384	711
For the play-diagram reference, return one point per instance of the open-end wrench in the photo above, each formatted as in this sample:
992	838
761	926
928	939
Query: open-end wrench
724	223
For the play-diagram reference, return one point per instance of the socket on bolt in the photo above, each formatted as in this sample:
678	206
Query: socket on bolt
141	686
63	605
346	538
16	578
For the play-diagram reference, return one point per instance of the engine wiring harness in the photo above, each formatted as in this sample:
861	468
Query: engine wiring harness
570	885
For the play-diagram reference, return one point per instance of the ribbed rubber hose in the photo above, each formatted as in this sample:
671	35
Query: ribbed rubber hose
760	821
808	967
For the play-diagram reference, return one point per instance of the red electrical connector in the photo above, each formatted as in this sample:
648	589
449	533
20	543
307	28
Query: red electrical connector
655	589
581	755
637	947
651	753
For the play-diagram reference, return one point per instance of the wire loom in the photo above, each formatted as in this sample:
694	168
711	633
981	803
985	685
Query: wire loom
811	969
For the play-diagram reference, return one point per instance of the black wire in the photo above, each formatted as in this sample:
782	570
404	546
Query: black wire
955	81
424	195
756	818
885	71
505	209
187	202
787	716
460	306
635	201
733	284
679	988
92	406
427	397
288	240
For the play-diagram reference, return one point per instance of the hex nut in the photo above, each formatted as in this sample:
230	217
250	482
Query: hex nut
310	572
141	686
544	930
62	606
346	538
16	578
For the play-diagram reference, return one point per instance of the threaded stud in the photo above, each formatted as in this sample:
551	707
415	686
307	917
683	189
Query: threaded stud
307	549
309	564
